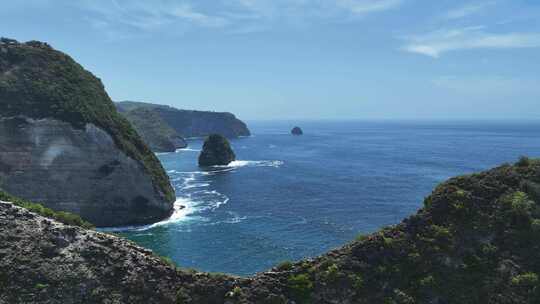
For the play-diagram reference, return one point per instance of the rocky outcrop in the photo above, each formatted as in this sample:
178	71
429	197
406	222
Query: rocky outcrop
216	151
475	241
63	144
193	123
297	131
159	136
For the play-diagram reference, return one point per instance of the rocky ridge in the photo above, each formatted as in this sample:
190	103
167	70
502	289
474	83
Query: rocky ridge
476	240
189	123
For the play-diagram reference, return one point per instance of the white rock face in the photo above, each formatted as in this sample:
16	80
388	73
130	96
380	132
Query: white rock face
76	170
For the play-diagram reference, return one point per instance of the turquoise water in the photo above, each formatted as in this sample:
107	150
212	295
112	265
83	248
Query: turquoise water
292	197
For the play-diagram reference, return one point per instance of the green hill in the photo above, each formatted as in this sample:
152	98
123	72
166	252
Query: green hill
476	240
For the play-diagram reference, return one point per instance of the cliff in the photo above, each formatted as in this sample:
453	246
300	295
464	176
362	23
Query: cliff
62	142
475	241
193	123
155	132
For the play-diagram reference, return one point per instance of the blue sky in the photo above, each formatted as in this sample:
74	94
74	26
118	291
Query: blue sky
302	59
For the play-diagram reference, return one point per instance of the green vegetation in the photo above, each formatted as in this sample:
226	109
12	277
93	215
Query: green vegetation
41	286
285	266
153	129
476	241
300	286
168	261
61	216
523	161
39	82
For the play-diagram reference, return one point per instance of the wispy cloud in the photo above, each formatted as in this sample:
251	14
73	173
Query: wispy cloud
236	16
368	6
112	15
436	43
468	9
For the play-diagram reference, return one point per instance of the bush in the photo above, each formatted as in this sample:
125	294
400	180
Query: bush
168	261
528	280
523	161
285	266
332	273
300	287
357	281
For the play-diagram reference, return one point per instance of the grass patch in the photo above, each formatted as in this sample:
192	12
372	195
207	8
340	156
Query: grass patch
61	216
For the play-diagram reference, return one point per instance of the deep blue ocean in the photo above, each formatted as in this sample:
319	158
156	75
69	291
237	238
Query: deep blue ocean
291	197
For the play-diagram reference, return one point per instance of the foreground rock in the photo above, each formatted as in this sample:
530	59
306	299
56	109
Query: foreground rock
63	144
192	123
475	241
297	131
216	151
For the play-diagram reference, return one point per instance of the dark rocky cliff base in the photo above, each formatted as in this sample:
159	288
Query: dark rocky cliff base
476	241
63	144
216	151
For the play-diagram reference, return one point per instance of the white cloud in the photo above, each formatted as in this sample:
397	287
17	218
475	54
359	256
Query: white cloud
116	17
436	43
147	15
186	12
467	10
368	6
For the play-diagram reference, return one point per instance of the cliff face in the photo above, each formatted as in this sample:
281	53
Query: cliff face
62	143
193	123
159	136
476	241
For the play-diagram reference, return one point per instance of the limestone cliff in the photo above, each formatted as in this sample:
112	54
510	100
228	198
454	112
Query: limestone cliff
159	136
62	143
475	241
193	123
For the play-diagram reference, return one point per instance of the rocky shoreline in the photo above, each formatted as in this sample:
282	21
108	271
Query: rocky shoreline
475	241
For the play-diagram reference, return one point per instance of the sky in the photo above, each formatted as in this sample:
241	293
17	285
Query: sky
302	59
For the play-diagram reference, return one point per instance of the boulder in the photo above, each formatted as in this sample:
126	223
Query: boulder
216	151
297	131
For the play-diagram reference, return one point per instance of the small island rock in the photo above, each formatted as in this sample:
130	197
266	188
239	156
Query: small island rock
216	152
297	131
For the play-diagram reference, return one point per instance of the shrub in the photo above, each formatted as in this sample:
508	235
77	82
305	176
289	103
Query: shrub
285	266
523	161
300	287
236	292
357	281
41	286
332	273
168	261
528	280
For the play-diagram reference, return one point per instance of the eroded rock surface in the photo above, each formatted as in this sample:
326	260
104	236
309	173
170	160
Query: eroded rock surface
76	170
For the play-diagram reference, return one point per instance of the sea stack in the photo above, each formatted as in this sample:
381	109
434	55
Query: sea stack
63	144
297	131
216	151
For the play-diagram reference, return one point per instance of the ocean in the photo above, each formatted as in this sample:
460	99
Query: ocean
289	197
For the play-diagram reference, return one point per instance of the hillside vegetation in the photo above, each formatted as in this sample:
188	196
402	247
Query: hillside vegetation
476	240
39	82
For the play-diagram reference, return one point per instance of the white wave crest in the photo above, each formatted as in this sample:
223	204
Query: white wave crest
187	150
253	163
